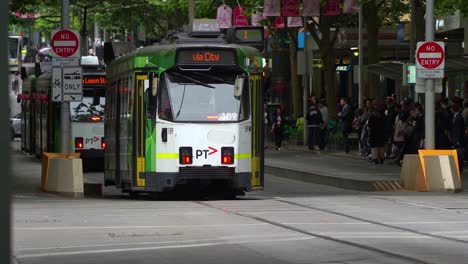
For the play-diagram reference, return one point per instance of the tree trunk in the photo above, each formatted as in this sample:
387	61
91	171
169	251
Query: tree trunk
373	48
420	22
330	82
326	46
295	83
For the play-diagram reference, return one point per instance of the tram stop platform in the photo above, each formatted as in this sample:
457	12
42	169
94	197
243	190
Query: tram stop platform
335	168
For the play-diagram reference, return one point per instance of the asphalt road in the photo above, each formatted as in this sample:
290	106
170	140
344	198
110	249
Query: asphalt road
289	222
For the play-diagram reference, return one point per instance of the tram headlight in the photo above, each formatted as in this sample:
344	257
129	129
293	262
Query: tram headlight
185	155
227	155
79	143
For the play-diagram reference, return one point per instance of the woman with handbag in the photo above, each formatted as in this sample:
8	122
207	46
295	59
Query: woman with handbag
277	127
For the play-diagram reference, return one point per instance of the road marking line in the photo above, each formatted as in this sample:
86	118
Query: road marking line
160	242
156	248
129	227
387	223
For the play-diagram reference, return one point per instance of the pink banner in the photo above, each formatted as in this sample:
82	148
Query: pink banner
295	22
278	22
28	15
271	8
256	18
311	8
350	6
332	8
224	16
240	19
291	8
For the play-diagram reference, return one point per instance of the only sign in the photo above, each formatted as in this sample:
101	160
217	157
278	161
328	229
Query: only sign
65	43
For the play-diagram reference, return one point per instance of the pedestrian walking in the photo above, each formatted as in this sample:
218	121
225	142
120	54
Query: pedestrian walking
376	126
442	127
346	118
323	139
267	126
314	123
458	130
277	127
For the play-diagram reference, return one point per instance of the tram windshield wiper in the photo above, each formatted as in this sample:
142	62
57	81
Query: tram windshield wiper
193	80
213	77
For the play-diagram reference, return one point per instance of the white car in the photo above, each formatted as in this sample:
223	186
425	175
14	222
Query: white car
15	123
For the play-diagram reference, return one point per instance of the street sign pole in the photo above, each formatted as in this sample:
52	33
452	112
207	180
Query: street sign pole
429	83
65	106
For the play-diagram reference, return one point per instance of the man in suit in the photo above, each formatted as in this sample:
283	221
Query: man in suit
346	119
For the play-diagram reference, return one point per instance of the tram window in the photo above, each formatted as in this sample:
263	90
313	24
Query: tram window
165	111
244	110
151	104
96	100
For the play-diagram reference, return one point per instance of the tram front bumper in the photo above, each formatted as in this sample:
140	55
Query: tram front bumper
164	181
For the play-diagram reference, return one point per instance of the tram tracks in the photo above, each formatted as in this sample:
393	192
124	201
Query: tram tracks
375	222
341	240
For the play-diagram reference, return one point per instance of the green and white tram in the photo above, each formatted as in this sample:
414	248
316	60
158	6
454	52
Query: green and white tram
183	114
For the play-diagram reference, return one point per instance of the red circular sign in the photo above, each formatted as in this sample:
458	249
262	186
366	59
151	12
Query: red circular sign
64	43
430	55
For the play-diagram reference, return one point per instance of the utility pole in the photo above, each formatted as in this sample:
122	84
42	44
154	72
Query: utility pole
429	83
5	187
306	82
413	42
65	106
361	56
191	12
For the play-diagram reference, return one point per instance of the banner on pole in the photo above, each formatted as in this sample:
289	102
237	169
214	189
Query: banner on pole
256	18
239	18
311	8
295	22
278	22
272	8
350	6
291	8
224	16
332	8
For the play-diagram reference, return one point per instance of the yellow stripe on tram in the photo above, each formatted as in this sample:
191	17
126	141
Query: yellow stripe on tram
242	156
167	155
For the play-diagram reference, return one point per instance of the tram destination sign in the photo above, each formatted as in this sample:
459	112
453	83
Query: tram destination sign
206	57
93	80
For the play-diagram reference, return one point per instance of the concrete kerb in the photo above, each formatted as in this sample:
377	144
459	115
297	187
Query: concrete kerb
331	180
321	178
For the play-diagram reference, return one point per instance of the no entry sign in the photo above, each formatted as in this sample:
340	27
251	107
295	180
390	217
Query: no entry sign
65	43
430	60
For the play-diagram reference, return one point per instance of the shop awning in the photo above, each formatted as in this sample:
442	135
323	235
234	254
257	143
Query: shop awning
390	70
394	70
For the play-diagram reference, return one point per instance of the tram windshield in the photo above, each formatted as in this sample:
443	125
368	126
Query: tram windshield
13	48
91	109
202	97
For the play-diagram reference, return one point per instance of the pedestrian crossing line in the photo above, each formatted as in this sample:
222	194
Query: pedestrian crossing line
387	186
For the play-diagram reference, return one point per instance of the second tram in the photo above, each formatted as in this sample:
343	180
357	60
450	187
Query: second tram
40	116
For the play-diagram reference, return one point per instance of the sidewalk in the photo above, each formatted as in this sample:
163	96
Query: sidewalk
335	168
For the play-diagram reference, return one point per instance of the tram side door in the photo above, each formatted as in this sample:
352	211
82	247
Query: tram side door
256	98
139	130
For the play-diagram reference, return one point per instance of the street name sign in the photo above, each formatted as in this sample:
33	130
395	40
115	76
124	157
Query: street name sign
65	43
430	60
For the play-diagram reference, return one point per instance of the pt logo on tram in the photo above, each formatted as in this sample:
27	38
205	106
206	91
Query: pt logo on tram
205	152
